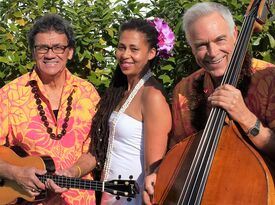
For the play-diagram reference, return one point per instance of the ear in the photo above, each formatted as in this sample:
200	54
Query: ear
152	53
71	53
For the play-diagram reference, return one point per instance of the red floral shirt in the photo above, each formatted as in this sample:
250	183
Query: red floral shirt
260	99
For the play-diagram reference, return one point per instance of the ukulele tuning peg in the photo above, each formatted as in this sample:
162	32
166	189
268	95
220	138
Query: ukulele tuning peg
117	197
131	177
129	199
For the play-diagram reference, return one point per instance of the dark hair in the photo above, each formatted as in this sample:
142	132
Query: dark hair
51	22
142	26
145	27
115	92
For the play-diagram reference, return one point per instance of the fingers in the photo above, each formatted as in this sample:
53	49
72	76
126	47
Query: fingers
231	100
149	189
148	192
225	96
38	184
26	177
40	172
146	198
33	190
54	187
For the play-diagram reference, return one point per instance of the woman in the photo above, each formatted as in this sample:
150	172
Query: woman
132	122
130	128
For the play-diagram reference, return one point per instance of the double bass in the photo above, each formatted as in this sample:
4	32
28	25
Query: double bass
218	166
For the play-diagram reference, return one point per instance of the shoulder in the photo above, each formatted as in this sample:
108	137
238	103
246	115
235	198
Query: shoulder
83	84
80	81
263	70
261	65
154	102
153	91
17	83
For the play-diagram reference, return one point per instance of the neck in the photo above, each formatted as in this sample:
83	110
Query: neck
54	85
55	82
217	81
133	80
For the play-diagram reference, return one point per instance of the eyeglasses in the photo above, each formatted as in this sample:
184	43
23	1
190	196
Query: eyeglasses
43	49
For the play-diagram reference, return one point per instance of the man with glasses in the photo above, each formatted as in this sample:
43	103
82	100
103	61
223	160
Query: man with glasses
48	111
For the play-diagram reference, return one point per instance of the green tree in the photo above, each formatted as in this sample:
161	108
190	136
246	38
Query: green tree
96	24
183	63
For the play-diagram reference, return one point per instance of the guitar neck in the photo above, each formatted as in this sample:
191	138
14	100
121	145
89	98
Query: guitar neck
69	182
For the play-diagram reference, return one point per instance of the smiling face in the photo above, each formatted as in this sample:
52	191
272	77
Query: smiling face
51	65
133	52
212	43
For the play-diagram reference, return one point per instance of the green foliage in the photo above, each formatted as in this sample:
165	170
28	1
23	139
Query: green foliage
183	62
96	24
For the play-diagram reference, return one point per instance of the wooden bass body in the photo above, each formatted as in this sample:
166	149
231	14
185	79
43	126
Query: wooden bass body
238	175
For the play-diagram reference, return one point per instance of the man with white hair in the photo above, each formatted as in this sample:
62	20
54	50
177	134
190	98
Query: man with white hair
211	32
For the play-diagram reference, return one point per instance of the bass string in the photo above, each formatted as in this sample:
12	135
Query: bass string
194	185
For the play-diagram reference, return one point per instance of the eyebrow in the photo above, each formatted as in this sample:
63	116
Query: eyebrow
57	44
131	45
200	42
221	36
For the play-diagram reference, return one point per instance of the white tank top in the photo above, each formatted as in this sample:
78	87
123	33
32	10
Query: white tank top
125	154
127	157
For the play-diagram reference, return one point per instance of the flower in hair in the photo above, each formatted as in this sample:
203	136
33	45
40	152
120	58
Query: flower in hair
166	37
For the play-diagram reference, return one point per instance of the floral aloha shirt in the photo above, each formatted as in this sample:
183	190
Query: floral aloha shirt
20	124
260	99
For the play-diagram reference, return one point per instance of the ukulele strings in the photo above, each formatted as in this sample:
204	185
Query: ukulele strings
70	182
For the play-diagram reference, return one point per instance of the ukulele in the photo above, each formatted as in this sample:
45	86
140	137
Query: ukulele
10	191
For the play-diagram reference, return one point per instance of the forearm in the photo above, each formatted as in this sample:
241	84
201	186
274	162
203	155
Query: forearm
265	140
153	160
85	164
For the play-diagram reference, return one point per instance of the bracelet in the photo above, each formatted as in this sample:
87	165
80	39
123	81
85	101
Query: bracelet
79	171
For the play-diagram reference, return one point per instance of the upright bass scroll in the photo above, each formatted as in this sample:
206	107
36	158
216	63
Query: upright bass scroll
264	12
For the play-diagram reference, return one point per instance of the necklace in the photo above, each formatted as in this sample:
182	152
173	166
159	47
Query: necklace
115	120
43	116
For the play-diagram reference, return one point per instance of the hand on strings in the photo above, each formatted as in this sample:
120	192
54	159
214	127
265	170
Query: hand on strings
230	99
52	186
26	178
